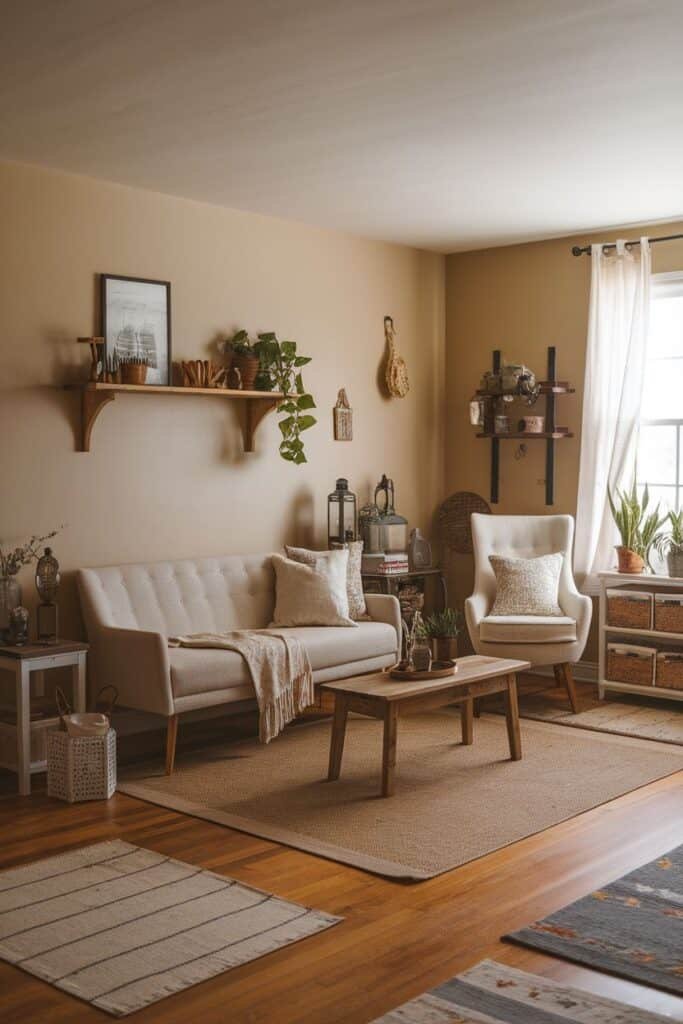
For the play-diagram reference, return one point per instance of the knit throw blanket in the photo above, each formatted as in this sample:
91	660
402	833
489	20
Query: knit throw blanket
280	670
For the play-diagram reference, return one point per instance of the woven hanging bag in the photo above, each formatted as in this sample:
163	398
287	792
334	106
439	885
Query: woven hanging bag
396	374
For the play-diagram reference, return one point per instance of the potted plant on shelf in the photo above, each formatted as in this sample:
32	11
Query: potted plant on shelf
280	370
442	629
244	358
639	530
671	544
133	369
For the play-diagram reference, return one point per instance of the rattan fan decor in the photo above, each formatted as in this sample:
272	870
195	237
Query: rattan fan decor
396	373
453	520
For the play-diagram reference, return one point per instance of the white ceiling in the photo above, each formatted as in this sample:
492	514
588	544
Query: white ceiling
446	124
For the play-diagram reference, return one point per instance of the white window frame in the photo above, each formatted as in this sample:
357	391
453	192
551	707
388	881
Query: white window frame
663	286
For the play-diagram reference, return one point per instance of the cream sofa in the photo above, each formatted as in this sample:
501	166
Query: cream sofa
131	610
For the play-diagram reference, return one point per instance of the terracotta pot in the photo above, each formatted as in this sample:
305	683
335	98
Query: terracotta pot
444	648
248	367
629	561
133	373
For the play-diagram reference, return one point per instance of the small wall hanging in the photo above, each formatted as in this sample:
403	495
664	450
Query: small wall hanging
396	374
343	418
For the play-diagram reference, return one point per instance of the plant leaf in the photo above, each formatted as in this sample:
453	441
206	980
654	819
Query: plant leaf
305	402
305	422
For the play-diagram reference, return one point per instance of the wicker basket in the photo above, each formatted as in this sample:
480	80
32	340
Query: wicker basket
627	663
81	768
669	671
669	613
631	609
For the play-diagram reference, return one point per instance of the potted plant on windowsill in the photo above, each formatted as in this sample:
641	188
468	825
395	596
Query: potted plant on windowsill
442	629
639	531
671	544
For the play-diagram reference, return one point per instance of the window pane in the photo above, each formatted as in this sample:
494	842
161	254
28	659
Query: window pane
663	389
657	455
666	328
665	497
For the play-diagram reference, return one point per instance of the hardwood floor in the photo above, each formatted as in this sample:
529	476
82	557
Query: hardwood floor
396	940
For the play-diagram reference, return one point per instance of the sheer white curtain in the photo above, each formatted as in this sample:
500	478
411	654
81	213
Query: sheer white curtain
613	388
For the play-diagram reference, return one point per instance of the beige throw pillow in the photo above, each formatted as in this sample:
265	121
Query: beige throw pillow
527	586
354	583
311	595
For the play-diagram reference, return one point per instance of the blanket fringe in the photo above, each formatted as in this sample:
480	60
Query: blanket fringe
276	714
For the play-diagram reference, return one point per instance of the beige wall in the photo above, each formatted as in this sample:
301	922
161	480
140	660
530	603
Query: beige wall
521	299
166	476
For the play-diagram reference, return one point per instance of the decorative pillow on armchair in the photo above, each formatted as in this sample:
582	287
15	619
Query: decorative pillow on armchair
527	586
354	583
312	595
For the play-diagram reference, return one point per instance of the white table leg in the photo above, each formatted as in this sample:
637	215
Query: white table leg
78	680
23	678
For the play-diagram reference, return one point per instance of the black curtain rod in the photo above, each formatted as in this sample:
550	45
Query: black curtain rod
578	250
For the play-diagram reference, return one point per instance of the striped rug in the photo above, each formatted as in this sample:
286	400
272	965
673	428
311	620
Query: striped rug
493	993
121	927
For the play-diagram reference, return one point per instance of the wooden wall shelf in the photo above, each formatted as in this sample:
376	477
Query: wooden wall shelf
94	397
557	435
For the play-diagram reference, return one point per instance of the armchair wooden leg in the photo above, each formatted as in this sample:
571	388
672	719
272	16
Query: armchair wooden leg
171	737
564	677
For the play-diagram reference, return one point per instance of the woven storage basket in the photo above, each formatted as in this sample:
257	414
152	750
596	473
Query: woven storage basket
627	663
632	609
82	767
669	671
669	613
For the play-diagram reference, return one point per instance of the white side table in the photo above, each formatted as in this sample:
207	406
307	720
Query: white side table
22	661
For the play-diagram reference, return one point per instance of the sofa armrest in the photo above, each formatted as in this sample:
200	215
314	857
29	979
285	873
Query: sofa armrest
385	608
137	664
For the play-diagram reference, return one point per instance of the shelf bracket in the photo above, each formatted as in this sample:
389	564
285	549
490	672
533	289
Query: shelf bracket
256	409
92	403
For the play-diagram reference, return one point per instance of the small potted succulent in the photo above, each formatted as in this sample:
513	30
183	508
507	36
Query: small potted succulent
670	544
133	369
244	358
639	530
442	629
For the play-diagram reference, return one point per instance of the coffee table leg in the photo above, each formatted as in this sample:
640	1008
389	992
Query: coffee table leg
512	718
389	749
337	737
467	721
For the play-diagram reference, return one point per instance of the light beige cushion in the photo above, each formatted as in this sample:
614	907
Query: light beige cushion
354	583
527	586
312	595
198	670
527	629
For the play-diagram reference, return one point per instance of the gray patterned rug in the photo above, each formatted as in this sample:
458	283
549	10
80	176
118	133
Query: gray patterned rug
122	927
649	718
632	927
493	993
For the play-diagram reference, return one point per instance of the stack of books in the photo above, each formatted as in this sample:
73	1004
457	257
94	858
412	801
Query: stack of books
393	564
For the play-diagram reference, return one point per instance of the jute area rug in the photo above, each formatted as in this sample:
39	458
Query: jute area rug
493	993
452	803
632	927
121	927
647	717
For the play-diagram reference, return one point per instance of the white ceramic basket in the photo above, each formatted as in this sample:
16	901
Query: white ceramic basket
81	767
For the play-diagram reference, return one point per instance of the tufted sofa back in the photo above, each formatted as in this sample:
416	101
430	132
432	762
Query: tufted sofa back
194	595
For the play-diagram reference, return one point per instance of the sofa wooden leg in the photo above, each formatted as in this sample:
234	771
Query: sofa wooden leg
171	737
564	677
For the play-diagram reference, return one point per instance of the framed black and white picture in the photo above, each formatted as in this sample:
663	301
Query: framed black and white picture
136	323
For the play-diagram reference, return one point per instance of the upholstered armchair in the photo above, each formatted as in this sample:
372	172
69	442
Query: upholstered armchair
553	640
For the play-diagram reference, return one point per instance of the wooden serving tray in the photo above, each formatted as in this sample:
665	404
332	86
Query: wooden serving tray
439	670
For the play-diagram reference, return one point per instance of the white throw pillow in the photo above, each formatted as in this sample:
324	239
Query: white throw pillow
527	586
354	582
312	595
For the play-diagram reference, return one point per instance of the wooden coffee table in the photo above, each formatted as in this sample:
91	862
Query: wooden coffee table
380	696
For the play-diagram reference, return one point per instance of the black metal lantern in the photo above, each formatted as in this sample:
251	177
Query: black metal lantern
341	514
47	585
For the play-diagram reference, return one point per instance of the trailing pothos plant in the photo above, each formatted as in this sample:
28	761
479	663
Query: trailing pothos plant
280	370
